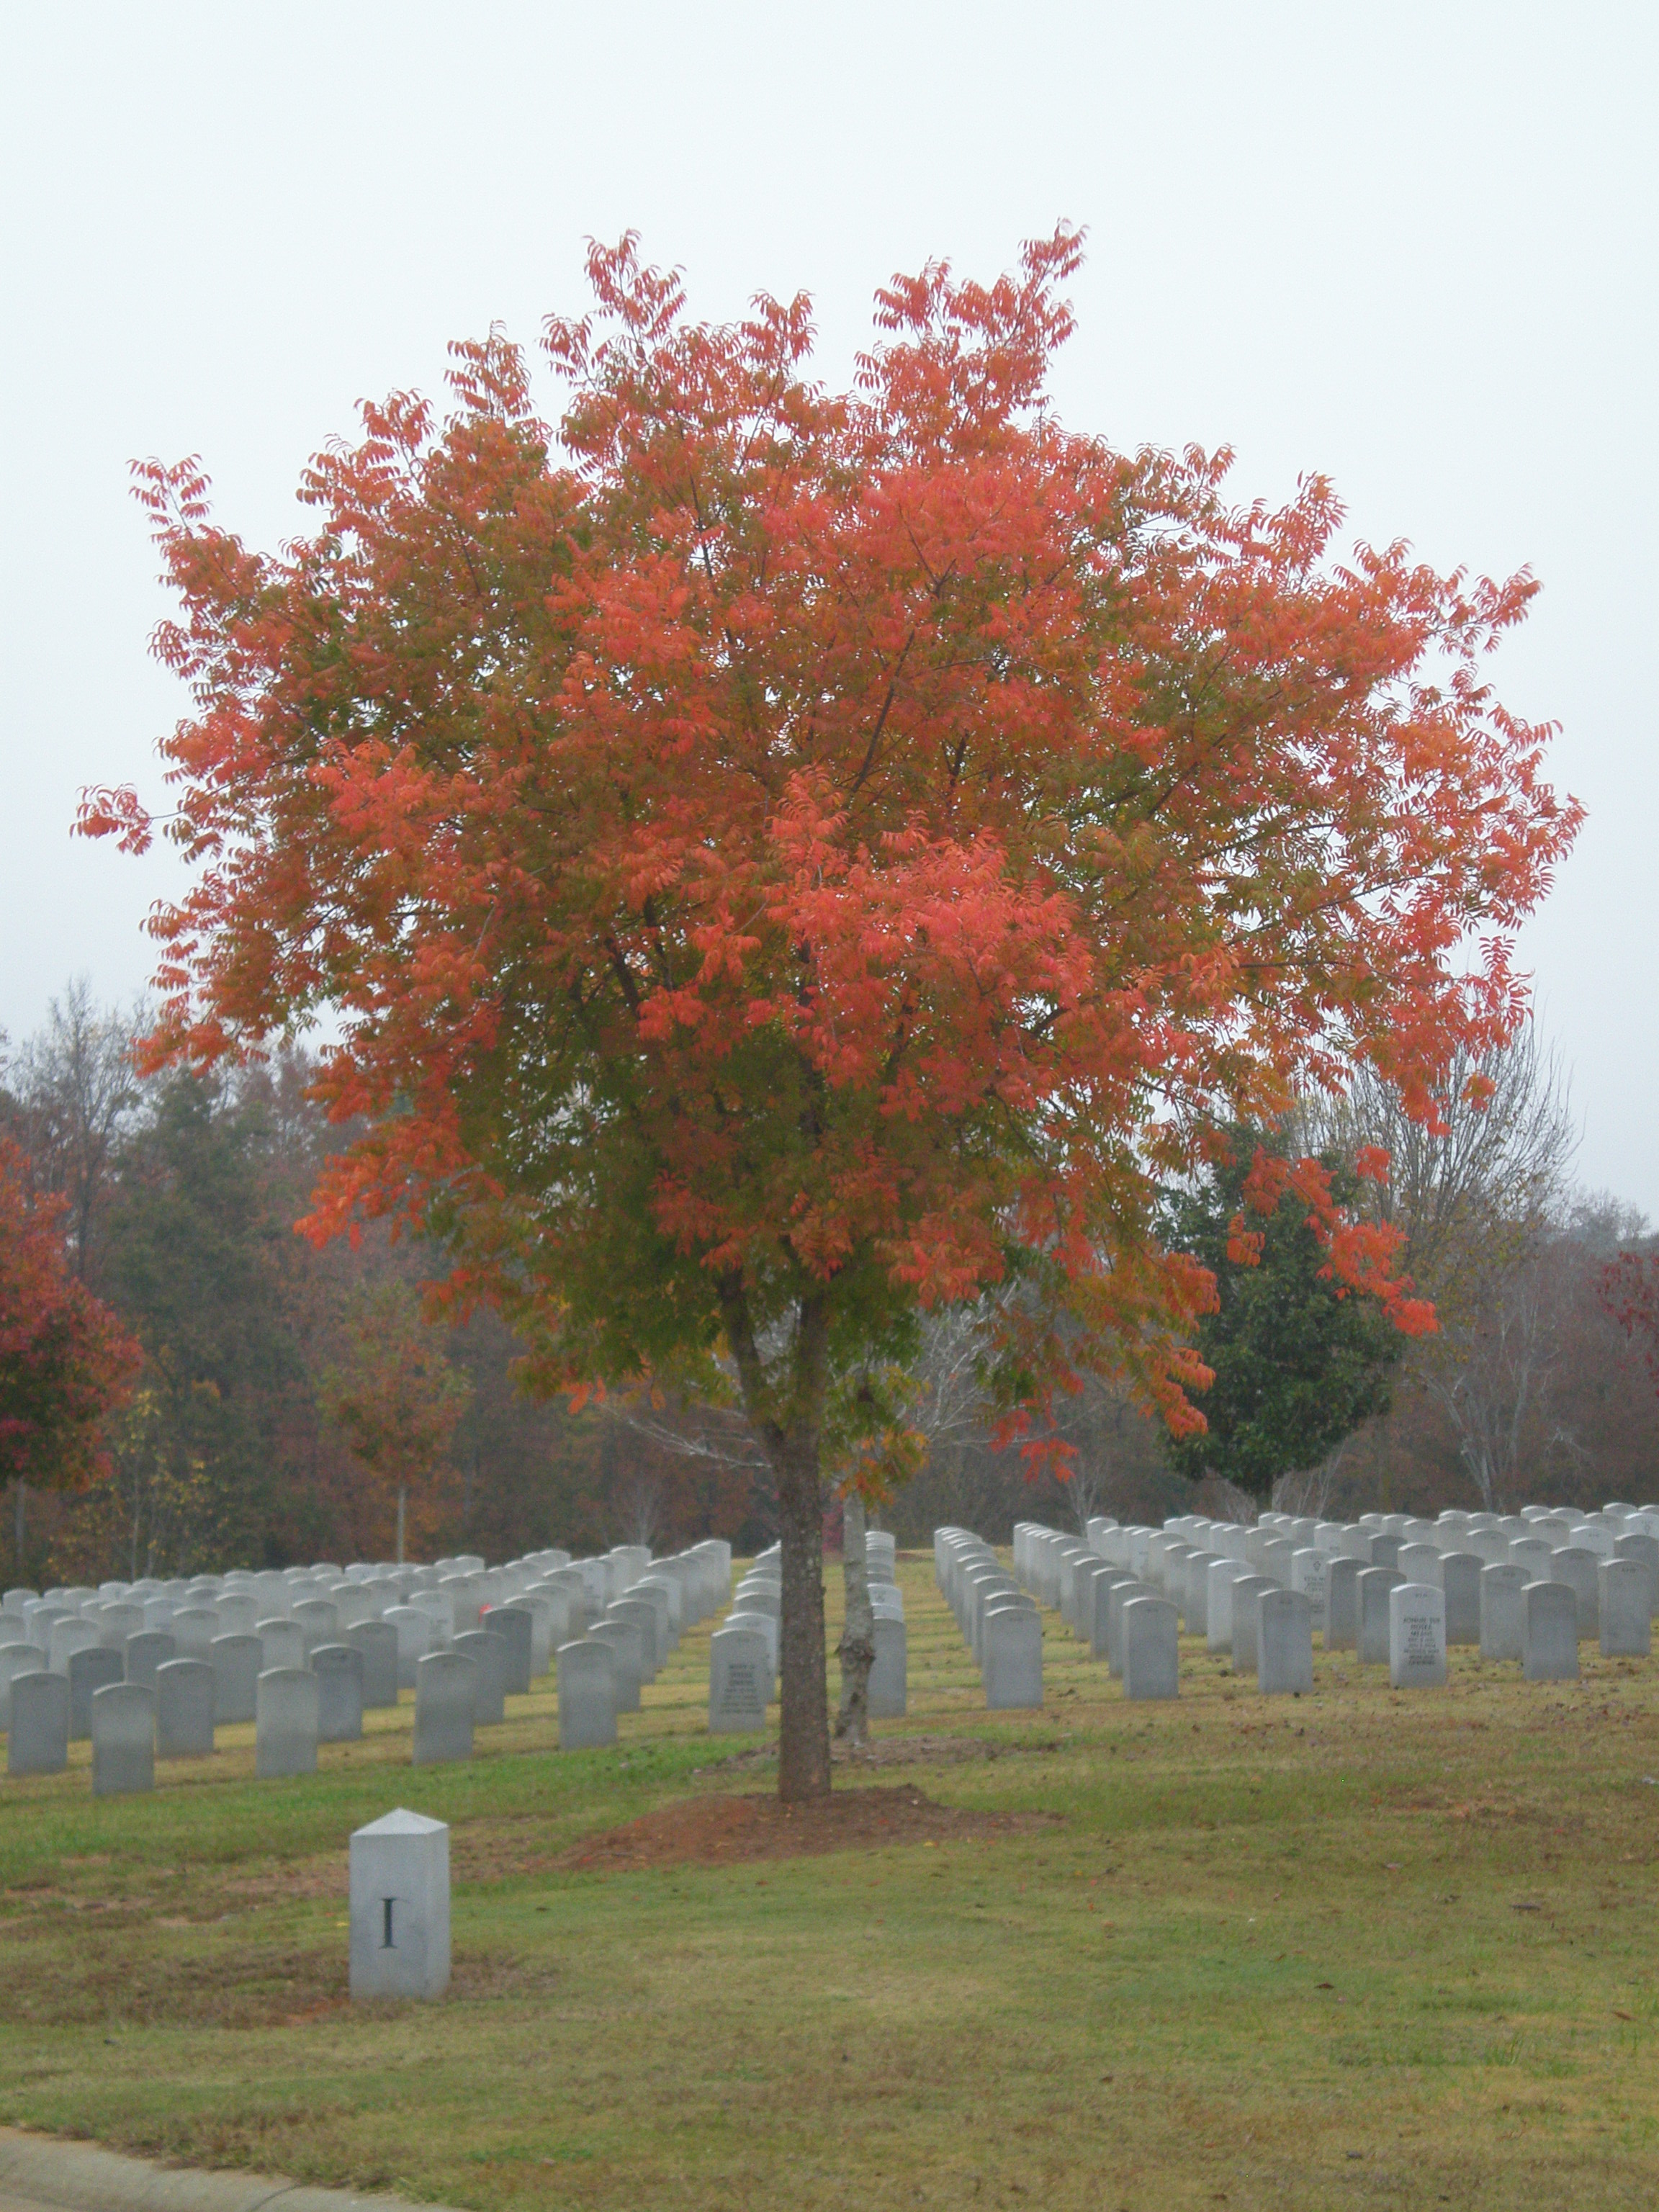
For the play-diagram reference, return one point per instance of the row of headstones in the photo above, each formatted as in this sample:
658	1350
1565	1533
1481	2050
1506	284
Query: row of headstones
466	1638
1134	1622
603	1669
743	1652
1393	1589
320	1602
999	1621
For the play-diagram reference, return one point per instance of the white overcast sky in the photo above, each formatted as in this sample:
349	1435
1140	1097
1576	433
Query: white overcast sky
1412	246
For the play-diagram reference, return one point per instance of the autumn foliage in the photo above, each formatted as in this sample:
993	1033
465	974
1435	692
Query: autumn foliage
65	1361
785	859
1629	1292
396	1399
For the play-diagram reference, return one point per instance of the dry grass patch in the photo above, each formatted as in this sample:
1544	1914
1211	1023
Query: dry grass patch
723	1830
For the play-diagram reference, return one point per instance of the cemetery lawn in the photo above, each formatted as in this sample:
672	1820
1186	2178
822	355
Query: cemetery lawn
1348	1950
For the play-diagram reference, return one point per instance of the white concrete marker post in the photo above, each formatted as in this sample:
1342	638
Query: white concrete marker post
400	1907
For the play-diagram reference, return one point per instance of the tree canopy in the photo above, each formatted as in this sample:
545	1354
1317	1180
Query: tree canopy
395	1397
65	1361
1299	1359
780	859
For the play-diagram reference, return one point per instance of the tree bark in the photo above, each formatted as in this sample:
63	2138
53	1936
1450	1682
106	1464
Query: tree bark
786	1410
403	1499
857	1649
804	1719
21	1528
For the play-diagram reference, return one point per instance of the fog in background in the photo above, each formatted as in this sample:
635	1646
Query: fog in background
1412	247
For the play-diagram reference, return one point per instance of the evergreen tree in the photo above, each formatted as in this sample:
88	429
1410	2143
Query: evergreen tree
1300	1358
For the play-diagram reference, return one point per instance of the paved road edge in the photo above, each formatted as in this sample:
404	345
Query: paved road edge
50	2170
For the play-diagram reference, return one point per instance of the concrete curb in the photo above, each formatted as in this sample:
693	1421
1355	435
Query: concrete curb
48	2171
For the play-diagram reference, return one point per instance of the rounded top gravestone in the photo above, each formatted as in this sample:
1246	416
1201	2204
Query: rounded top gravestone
586	1672
445	1700
285	1723
739	1680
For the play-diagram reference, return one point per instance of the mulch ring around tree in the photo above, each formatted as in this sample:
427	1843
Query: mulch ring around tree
726	1830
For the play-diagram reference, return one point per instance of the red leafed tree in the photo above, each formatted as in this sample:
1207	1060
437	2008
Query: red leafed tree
65	1361
1629	1292
396	1399
782	860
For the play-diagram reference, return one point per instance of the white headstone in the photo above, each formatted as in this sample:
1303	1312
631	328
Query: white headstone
1120	1594
236	1661
377	1642
417	1633
183	1708
1550	1649
639	1613
1151	1648
1420	1563
282	1642
1576	1566
739	1680
118	1621
194	1628
69	1635
399	1907
285	1723
1277	1554
1639	1545
586	1671
339	1671
1503	1610
89	1671
1417	1636
1248	1594
318	1619
1100	1605
888	1682
17	1657
624	1640
1625	1607
1219	1602
1533	1553
446	1707
769	1627
1284	1641
236	1610
37	1741
489	1655
142	1654
1308	1570
1342	1601
1459	1577
515	1625
123	1729
1014	1657
1195	1595
658	1590
1373	1586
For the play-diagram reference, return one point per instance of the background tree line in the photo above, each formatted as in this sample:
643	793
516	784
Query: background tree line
287	1395
1541	1379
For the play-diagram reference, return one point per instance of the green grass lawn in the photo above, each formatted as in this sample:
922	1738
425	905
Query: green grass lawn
1353	1950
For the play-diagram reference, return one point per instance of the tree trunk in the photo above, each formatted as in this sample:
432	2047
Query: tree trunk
857	1649
793	1434
21	1528
403	1499
804	1730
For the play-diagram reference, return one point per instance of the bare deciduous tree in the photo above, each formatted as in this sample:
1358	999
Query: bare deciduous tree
634	1508
1482	1200
75	1086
